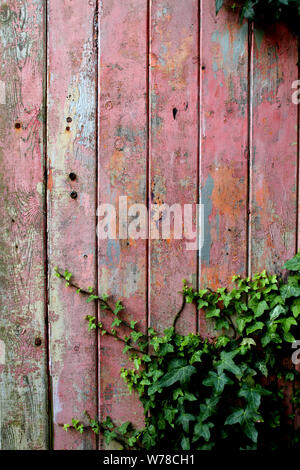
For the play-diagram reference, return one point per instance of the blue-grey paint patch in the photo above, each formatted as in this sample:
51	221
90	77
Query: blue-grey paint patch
218	225
206	193
230	54
112	258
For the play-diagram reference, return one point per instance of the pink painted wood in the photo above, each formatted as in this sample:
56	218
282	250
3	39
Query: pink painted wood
122	172
71	134
174	66
224	140
23	346
274	168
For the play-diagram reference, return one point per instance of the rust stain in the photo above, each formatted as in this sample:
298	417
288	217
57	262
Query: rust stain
50	180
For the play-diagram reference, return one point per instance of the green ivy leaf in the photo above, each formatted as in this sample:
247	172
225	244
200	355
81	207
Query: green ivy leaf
219	4
254	327
260	309
217	381
296	308
293	264
185	419
182	375
226	363
185	443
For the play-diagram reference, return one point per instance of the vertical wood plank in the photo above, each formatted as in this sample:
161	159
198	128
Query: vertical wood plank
224	131
174	59
122	172
274	149
71	222
23	371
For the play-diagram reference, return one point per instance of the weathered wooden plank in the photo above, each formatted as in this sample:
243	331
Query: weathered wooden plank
274	168
174	59
71	222
223	154
23	371
122	172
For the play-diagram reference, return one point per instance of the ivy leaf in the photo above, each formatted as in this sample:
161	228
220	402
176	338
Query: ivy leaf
277	311
185	419
166	348
252	397
235	417
118	307
241	322
91	298
170	414
196	357
212	312
262	367
248	342
287	291
222	341
149	437
123	429
293	264
260	309
254	327
202	430
208	408
250	430
219	4
202	303
296	308
289	338
286	323
116	322
217	381
182	375
185	443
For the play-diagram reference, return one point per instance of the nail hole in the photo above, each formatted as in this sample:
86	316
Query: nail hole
38	341
68	128
203	67
69	119
175	110
73	195
18	125
72	176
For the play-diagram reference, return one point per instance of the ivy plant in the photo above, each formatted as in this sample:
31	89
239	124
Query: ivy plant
237	390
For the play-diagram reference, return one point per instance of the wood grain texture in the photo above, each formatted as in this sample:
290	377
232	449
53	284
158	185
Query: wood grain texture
174	60
274	149
224	139
122	171
71	222
23	370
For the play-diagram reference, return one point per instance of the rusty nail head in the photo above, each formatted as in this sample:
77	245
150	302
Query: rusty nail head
73	195
38	341
72	176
